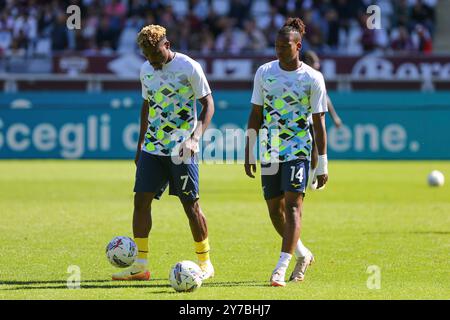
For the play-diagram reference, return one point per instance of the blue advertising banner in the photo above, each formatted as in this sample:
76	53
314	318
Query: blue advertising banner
377	125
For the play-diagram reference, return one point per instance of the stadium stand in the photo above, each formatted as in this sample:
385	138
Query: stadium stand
37	28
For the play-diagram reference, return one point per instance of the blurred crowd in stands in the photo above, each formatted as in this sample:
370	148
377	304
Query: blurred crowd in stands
38	28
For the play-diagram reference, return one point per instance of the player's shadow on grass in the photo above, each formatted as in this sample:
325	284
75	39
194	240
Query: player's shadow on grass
96	284
221	284
408	232
431	232
250	283
31	282
61	284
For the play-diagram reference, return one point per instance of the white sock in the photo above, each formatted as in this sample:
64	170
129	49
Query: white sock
283	263
301	250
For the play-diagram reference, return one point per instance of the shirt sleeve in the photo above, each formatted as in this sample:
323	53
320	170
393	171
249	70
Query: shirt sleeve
199	82
318	94
257	95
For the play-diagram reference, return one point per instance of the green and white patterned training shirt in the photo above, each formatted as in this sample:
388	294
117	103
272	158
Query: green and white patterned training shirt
171	94
288	99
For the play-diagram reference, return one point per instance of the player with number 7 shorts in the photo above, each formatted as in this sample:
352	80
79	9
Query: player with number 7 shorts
286	93
168	143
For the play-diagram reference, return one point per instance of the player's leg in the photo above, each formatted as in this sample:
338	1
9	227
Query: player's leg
142	223
271	178
185	184
276	213
197	220
291	235
294	177
292	214
276	207
151	180
199	229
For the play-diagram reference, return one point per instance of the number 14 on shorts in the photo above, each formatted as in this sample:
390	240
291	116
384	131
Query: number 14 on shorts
299	175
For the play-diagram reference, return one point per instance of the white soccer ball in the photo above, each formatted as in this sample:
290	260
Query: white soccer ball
121	252
185	276
436	178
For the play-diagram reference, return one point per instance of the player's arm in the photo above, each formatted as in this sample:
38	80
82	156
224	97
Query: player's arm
205	117
202	93
143	129
320	135
190	146
255	121
319	101
336	119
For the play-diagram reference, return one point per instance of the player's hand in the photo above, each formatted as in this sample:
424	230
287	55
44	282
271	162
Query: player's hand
338	122
188	148
250	169
321	181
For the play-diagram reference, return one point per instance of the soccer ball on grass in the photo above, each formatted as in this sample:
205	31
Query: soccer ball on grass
185	276
121	252
436	178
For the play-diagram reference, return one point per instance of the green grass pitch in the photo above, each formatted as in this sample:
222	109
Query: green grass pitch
54	214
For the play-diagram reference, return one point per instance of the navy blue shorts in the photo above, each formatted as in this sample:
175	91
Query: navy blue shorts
154	173
278	178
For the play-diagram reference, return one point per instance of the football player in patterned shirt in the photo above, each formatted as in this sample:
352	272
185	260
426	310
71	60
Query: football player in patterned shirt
285	93
169	138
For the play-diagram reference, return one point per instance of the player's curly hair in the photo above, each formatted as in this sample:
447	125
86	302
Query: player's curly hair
293	25
150	36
